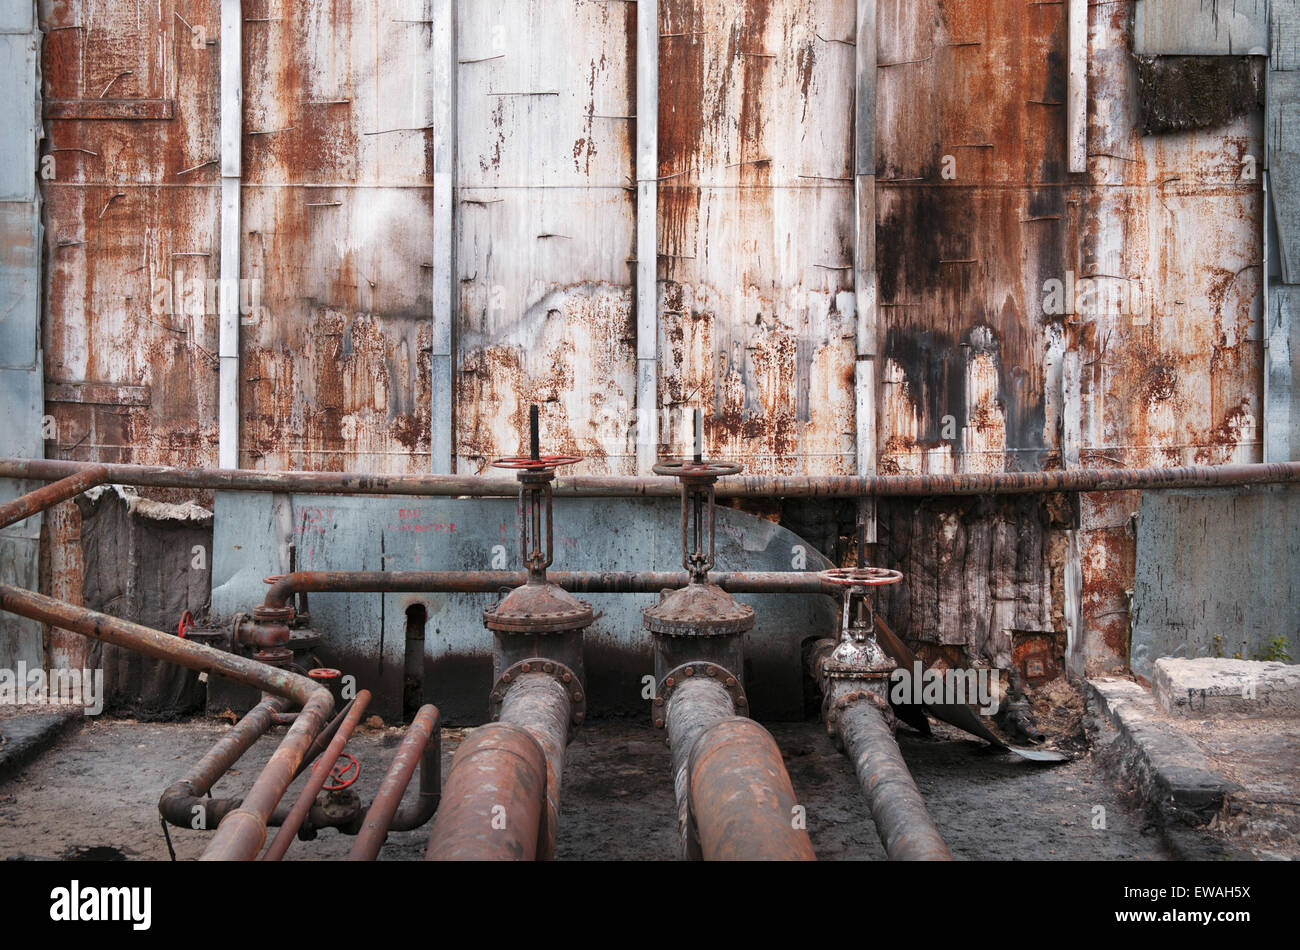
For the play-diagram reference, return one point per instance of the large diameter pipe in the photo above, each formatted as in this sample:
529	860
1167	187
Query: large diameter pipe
897	808
613	486
539	703
494	803
742	802
316	780
694	706
420	746
48	496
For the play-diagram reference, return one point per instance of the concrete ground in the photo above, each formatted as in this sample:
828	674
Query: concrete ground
94	795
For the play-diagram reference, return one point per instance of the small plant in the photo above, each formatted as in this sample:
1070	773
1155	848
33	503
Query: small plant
1275	649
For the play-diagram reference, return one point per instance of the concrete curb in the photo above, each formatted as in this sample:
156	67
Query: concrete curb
27	734
1174	778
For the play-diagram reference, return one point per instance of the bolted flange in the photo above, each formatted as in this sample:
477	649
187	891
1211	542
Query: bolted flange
538	608
697	668
833	710
552	668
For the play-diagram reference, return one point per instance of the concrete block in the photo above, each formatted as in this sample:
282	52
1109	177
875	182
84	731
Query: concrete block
1205	688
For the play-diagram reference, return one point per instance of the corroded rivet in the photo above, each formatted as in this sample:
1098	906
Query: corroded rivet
711	671
567	677
527	667
659	700
731	681
670	681
659	723
549	667
690	671
506	677
577	697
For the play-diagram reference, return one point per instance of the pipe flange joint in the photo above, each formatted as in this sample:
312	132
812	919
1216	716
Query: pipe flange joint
552	668
687	671
834	710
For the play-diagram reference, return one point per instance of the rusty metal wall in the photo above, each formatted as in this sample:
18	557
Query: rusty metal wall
546	220
756	230
982	366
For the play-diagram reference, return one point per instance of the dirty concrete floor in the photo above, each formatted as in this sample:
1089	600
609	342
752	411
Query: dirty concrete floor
95	795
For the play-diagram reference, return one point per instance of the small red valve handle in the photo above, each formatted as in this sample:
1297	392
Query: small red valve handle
324	673
688	468
341	778
861	576
186	624
531	464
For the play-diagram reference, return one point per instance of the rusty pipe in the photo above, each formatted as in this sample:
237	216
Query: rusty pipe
47	496
742	803
160	645
420	746
494	803
738	486
539	703
280	593
694	706
242	833
316	780
179	801
902	821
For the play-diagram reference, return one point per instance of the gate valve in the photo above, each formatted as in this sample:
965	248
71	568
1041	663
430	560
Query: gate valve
858	653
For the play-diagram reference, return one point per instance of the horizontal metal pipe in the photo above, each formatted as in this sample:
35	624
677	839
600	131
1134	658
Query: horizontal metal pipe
615	486
494	803
48	496
742	803
589	582
316	780
694	706
539	703
904	825
421	737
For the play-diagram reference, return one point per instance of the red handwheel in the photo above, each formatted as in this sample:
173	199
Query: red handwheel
341	777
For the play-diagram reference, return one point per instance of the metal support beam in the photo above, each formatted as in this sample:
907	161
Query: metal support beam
441	426
232	100
647	234
1076	121
864	257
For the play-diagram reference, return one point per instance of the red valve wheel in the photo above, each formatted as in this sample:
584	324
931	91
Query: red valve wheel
324	673
861	576
530	464
186	624
341	778
688	468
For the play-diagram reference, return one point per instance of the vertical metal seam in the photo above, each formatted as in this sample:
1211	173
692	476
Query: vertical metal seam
232	97
647	234
1077	83
441	403
864	270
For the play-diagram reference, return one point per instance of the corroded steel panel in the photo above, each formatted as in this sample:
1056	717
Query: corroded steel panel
546	231
756	231
337	232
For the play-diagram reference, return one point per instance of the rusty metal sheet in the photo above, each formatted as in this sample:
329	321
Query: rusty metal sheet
336	238
973	216
757	225
545	231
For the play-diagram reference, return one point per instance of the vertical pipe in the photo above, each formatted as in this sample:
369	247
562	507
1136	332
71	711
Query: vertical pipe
904	825
232	97
444	233
540	704
864	256
647	234
742	802
1076	122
